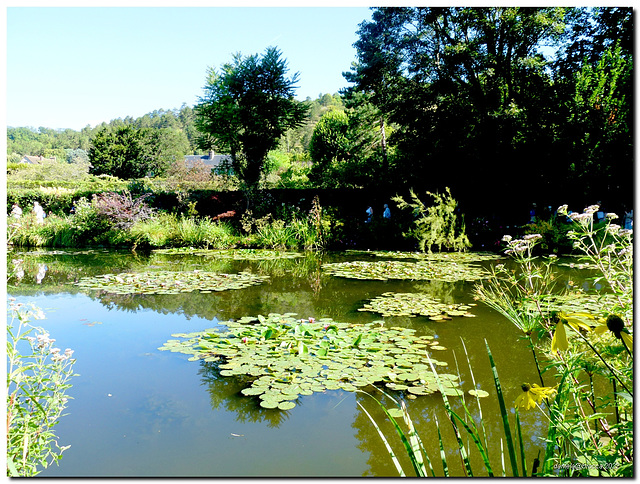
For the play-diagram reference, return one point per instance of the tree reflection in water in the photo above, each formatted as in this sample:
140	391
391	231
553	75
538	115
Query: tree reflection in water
225	393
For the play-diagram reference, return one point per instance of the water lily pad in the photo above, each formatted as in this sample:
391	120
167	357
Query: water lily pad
437	270
395	412
286	405
168	282
478	393
235	254
286	365
412	304
269	404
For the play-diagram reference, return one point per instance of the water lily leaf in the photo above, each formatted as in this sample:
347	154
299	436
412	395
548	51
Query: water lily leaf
286	405
287	364
441	270
395	412
478	393
168	282
269	404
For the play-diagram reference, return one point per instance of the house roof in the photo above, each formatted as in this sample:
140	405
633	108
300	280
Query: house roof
212	162
35	160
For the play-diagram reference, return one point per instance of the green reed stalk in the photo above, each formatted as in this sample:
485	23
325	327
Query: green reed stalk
443	455
523	460
452	416
473	380
411	440
395	460
504	414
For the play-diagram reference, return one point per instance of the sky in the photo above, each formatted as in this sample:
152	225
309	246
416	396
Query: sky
70	66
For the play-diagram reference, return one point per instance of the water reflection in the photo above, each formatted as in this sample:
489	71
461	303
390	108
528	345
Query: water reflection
144	322
225	393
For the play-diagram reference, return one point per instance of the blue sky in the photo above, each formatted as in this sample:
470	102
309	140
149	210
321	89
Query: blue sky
68	67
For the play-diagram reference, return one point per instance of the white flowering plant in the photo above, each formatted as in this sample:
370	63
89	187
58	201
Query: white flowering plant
38	377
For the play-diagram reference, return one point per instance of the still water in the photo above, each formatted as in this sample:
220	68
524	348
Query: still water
138	411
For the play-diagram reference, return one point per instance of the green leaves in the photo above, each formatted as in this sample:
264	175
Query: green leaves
410	304
422	270
167	282
285	357
235	254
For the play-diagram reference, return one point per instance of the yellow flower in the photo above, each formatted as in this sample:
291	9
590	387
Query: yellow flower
615	324
559	341
533	395
575	320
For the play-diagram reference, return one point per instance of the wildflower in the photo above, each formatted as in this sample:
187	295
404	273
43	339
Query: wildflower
533	395
312	320
559	341
579	217
611	216
506	238
39	314
532	236
562	209
615	324
591	209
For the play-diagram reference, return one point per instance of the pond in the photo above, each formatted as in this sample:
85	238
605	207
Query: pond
138	411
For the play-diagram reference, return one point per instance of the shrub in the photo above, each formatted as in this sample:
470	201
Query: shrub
438	224
121	209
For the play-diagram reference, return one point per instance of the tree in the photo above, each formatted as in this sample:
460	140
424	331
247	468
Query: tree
247	108
118	152
329	148
464	84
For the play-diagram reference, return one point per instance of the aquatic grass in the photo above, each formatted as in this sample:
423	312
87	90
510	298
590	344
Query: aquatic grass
416	451
411	441
503	413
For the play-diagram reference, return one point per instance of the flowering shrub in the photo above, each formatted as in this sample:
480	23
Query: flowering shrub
122	209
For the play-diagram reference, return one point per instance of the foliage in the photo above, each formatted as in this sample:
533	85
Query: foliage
283	357
588	432
121	209
553	232
329	144
246	109
167	230
415	304
169	282
38	377
438	224
601	122
421	270
47	171
118	153
471	89
128	152
289	228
